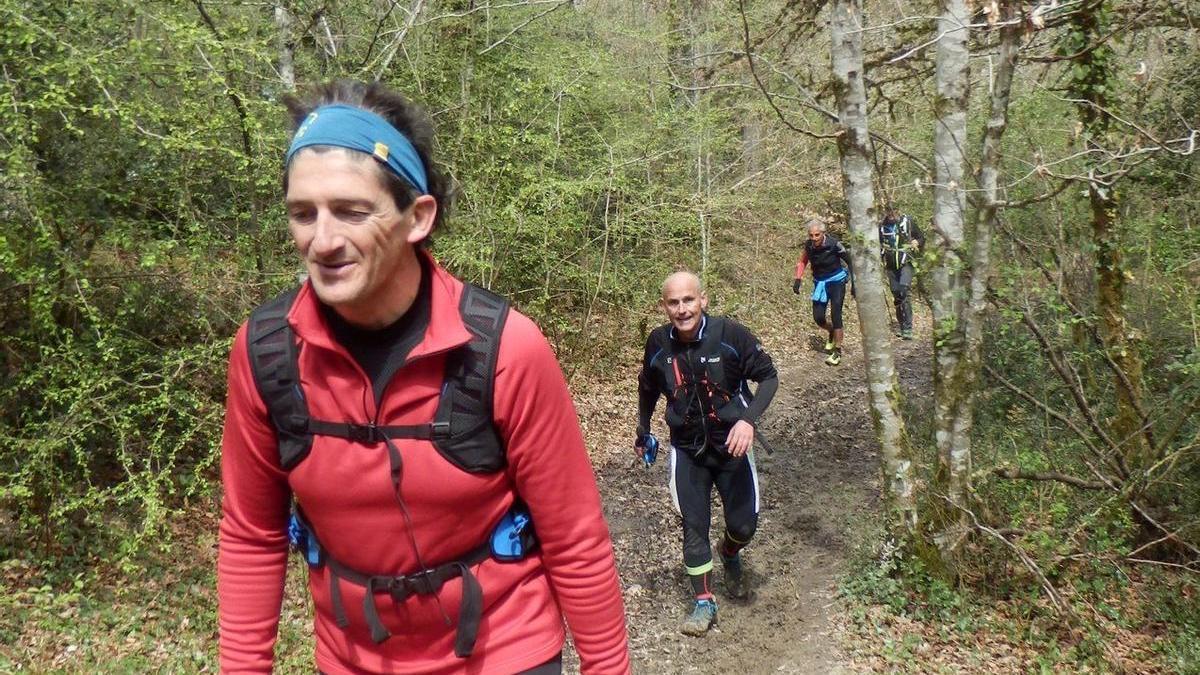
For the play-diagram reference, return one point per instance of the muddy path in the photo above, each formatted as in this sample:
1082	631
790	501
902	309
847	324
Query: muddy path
818	488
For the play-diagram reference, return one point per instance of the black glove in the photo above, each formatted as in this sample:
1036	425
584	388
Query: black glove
640	439
796	287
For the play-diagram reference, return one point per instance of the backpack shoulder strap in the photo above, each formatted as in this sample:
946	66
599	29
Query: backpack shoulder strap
713	340
274	362
465	433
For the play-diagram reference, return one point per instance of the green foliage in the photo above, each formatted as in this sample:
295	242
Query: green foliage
140	217
903	583
128	238
1175	608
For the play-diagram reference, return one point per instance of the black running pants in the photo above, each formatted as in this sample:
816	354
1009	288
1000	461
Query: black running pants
692	481
900	281
836	293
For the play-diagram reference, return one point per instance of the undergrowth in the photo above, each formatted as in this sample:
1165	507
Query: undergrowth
997	617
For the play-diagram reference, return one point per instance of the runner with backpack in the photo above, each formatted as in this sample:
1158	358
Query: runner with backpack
702	365
411	436
899	241
826	255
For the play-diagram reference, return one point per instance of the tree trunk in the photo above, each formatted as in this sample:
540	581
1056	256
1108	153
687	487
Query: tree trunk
951	429
986	217
959	348
1129	426
287	47
681	64
854	147
751	133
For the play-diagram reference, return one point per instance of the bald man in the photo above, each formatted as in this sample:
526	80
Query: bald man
701	364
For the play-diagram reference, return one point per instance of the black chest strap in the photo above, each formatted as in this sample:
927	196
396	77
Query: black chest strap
462	430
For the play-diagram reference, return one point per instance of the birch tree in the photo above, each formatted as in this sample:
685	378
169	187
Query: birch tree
287	47
854	149
959	348
952	422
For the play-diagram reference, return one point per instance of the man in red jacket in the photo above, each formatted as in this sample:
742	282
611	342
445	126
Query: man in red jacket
377	329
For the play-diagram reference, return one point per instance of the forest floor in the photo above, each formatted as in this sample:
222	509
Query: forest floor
819	489
818	522
819	516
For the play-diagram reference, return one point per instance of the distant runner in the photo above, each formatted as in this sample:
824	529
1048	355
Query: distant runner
826	255
899	240
701	364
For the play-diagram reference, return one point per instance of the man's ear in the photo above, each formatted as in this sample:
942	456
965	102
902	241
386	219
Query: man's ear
424	211
703	301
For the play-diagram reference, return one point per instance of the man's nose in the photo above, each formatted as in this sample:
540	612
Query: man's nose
327	236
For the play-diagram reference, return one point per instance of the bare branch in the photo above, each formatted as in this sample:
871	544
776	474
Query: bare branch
811	103
1020	204
523	24
375	36
767	94
1061	418
1021	474
1190	567
398	41
487	8
1060	606
1070	377
1147	427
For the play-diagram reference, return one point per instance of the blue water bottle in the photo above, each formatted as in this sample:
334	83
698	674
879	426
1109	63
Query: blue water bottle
649	448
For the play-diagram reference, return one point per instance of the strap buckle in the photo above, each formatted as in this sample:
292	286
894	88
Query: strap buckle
397	587
440	429
423	582
364	433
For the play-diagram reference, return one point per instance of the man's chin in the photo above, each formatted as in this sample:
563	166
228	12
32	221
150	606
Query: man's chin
332	294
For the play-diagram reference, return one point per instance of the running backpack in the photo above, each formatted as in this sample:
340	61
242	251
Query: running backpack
725	399
893	239
462	430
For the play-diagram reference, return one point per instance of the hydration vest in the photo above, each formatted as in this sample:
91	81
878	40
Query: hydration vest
462	430
893	241
824	259
720	403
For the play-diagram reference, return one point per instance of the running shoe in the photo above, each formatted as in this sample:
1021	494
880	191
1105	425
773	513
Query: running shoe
735	578
703	617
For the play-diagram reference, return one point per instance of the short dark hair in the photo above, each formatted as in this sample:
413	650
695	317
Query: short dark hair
407	117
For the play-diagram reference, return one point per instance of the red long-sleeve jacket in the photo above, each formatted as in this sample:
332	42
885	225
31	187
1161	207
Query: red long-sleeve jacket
347	495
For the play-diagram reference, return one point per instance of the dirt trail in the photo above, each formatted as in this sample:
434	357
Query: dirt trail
820	482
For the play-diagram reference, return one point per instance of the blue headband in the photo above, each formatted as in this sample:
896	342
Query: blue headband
345	126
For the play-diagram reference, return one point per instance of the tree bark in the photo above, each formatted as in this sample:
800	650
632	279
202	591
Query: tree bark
958	346
854	148
1090	86
986	222
952	431
287	47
